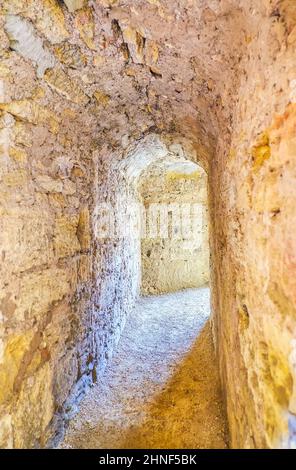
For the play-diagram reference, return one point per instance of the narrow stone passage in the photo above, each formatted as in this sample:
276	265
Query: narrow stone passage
161	389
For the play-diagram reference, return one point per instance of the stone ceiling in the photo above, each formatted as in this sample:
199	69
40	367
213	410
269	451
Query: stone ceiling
138	66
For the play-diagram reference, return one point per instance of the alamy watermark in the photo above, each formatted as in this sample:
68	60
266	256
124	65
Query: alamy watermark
173	221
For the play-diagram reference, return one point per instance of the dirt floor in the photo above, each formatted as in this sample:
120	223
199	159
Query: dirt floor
161	389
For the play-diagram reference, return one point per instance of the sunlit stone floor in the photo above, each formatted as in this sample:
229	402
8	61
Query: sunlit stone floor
161	389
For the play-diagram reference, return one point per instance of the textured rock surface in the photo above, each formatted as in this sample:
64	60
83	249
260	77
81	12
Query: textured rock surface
175	248
161	389
78	103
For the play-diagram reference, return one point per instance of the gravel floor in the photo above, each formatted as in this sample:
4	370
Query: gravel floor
161	389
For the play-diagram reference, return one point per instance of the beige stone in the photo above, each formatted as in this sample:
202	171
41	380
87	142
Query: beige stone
49	184
73	5
48	17
70	55
176	256
27	110
101	98
14	352
84	22
84	270
65	236
135	42
36	292
92	95
36	394
151	53
19	226
25	41
83	229
6	437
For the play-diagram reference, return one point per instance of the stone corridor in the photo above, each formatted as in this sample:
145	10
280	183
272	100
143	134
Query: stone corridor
161	389
111	105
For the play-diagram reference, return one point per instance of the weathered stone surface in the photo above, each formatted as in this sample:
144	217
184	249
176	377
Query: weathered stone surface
174	247
6	437
84	22
151	53
83	229
15	349
84	269
70	55
49	184
65	236
36	400
73	5
136	44
47	16
101	98
24	40
28	110
18	225
33	294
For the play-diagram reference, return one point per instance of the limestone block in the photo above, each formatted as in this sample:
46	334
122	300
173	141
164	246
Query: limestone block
151	53
50	185
70	55
46	15
66	242
69	188
84	22
83	229
34	409
15	348
84	268
18	155
24	40
20	246
6	436
98	60
34	293
59	81
50	21
101	98
15	179
73	5
21	136
135	42
28	110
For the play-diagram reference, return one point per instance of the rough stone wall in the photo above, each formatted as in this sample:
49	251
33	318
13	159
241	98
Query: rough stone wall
253	244
59	314
82	82
175	250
